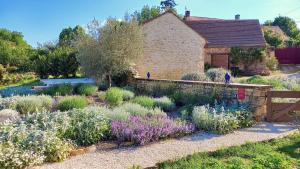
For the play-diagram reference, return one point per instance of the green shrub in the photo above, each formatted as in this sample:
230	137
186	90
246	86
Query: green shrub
186	111
56	61
129	87
85	89
72	102
195	77
133	109
205	119
101	95
275	82
256	80
59	89
159	89
216	74
127	95
197	96
273	160
164	103
32	104
178	97
114	96
145	101
272	63
57	122
88	126
83	126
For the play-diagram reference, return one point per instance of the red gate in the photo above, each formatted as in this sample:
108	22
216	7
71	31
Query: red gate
288	55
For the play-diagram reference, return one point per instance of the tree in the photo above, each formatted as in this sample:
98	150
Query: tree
56	61
146	13
274	39
288	26
14	50
112	52
68	36
168	5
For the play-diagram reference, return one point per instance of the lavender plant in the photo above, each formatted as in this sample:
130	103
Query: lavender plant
145	129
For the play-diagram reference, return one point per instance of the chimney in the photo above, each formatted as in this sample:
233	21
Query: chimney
237	17
187	13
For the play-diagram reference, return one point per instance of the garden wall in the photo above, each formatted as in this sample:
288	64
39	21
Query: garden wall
254	94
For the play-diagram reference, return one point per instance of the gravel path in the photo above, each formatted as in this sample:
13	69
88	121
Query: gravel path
148	156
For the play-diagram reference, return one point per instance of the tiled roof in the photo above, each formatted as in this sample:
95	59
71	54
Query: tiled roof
197	18
228	33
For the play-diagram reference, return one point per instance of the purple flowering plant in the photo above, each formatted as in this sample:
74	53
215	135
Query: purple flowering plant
144	129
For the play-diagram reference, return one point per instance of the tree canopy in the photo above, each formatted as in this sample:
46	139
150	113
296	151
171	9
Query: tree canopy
68	36
167	4
14	50
288	26
274	39
146	13
112	50
59	59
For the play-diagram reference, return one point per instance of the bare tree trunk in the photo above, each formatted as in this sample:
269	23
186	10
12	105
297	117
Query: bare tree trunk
109	80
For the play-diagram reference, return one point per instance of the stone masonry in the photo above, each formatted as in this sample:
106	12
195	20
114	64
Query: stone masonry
255	94
171	49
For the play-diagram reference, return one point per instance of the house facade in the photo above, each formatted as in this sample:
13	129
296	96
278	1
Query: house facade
174	47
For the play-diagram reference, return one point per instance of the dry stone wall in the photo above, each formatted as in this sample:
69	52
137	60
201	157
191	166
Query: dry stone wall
254	94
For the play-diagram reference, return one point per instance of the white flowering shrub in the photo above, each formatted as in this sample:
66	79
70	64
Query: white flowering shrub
164	103
127	95
221	119
8	115
35	140
196	77
216	74
13	156
8	102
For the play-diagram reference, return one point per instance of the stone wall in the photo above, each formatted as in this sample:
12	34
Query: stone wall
171	49
255	94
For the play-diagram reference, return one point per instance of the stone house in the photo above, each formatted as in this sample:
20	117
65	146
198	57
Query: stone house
174	47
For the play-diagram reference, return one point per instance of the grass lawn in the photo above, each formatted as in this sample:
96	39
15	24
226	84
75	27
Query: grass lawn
20	83
275	154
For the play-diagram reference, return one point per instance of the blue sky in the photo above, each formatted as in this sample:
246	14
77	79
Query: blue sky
42	20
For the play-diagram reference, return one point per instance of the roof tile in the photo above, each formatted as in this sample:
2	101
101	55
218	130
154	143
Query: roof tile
228	33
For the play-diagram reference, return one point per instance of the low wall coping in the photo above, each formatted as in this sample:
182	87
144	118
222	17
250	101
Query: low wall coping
231	85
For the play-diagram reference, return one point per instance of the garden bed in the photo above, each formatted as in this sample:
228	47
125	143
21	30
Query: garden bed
75	117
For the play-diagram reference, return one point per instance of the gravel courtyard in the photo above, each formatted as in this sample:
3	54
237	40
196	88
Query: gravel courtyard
149	155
